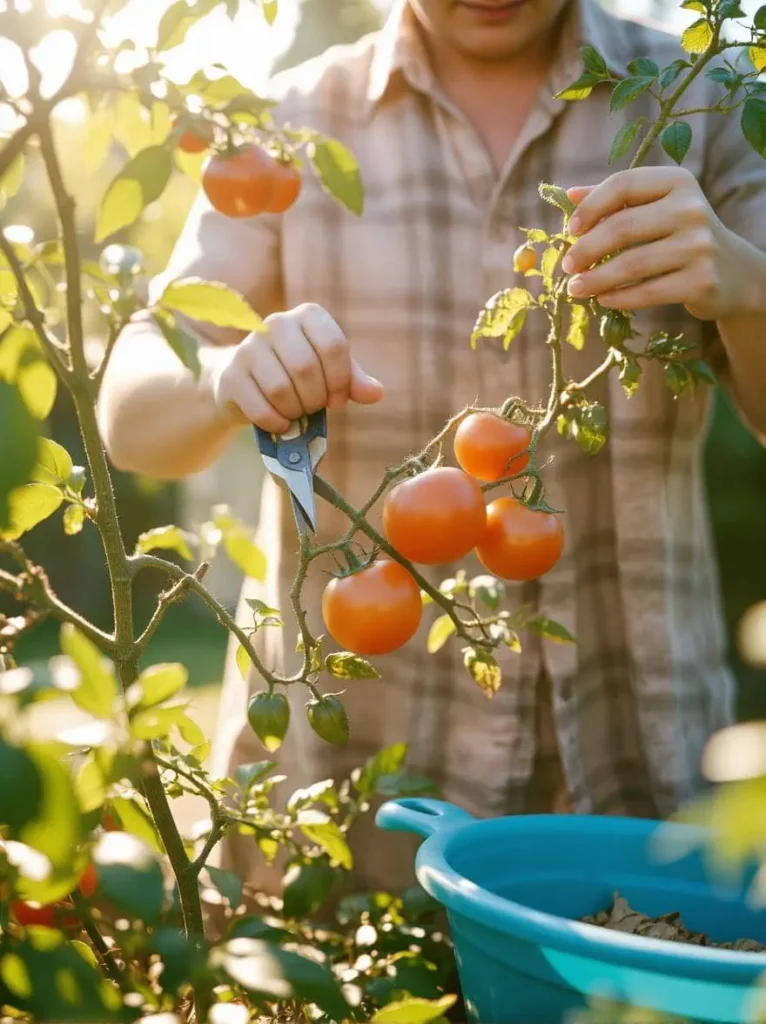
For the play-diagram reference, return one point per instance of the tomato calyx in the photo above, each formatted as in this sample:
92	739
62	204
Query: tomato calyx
355	563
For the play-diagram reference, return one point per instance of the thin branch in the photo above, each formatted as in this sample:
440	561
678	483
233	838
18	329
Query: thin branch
106	955
166	599
217	816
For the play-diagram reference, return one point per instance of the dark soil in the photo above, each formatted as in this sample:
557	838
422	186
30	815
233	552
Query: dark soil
621	917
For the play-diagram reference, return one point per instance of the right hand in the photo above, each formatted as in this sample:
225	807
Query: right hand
301	364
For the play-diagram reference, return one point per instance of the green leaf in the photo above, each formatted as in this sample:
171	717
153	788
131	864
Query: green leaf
414	1011
642	67
247	775
630	89
140	182
269	9
228	884
30	505
753	124
625	139
181	341
210	302
246	555
549	630
676	377
588	425
730	9
89	785
157	684
350	666
556	196
578	326
503	316
23	363
385	762
630	376
10	183
22	801
439	633
192	734
135	820
548	265
697	37
759	19
97	689
174	24
18	450
401	784
581	88
53	464
166	538
74	519
307	887
320	829
593	61
244	664
56	828
130	875
276	974
676	139
156	723
694	5
700	370
722	75
338	172
669	74
484	670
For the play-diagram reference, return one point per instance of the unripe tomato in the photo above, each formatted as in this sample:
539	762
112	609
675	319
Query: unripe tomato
328	718
196	136
615	328
269	718
519	543
240	184
490	447
524	259
435	517
89	881
375	610
287	187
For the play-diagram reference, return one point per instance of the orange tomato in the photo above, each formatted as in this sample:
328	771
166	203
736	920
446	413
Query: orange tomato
490	447
240	184
374	610
196	135
435	517
525	258
287	187
89	881
518	543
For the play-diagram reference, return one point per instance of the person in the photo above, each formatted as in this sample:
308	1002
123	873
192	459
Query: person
450	112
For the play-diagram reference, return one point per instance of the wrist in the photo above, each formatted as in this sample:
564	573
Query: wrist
748	269
213	362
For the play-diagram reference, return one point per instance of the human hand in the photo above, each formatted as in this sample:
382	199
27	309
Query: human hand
302	363
674	247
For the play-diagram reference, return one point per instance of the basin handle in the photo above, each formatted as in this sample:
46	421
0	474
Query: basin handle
421	816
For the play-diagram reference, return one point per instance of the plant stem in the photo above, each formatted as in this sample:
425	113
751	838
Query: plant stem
106	955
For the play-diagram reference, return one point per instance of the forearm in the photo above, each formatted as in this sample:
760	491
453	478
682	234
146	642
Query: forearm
155	418
744	338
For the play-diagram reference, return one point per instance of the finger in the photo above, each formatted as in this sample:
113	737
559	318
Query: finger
660	291
274	383
365	390
626	188
631	226
302	365
578	192
638	264
330	344
249	402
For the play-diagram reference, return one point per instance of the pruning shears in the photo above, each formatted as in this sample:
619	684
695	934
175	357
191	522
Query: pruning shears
294	457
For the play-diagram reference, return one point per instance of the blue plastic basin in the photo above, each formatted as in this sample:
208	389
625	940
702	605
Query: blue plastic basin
514	889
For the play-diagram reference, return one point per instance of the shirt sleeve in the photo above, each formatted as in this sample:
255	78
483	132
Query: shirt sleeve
243	254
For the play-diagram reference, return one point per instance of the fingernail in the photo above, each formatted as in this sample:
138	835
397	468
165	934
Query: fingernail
374	380
567	264
575	226
577	285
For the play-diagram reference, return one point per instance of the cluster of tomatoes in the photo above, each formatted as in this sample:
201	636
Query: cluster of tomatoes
242	181
439	517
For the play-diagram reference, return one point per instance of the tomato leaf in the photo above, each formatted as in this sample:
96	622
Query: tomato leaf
169	538
502	316
549	630
53	464
698	36
624	139
322	830
130	875
484	670
350	666
439	633
210	302
97	689
246	555
140	182
227	884
753	124
157	684
628	90
134	819
676	140
338	172
184	344
18	451
156	723
414	1011
174	24
578	326
30	505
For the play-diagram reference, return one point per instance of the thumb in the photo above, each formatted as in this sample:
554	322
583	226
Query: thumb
364	389
578	192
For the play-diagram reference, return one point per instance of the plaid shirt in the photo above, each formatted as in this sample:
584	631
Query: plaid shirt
634	701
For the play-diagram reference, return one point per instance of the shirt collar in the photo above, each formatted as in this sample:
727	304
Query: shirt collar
399	50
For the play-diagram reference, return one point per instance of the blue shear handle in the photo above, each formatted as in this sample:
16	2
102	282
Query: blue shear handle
280	448
423	817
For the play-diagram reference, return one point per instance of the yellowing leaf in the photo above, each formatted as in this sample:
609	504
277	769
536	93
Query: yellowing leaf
440	633
578	326
338	172
246	555
484	670
697	37
326	833
74	519
169	538
414	1011
30	505
243	662
158	683
140	182
350	666
210	302
503	316
758	57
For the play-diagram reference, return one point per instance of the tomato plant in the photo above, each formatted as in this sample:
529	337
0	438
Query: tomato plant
373	610
435	517
240	184
491	447
524	259
194	134
520	543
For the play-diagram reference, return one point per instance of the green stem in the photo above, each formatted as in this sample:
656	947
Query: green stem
105	954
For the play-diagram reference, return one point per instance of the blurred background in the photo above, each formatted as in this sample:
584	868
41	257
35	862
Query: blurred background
735	463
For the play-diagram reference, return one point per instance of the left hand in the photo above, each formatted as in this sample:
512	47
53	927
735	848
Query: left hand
676	250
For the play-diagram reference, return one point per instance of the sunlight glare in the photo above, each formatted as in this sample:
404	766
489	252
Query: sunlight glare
13	73
67	9
53	57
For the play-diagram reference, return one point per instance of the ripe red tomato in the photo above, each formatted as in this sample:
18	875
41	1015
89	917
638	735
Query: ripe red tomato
518	543
435	517
490	447
287	187
89	881
240	184
109	823
374	610
34	914
197	135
